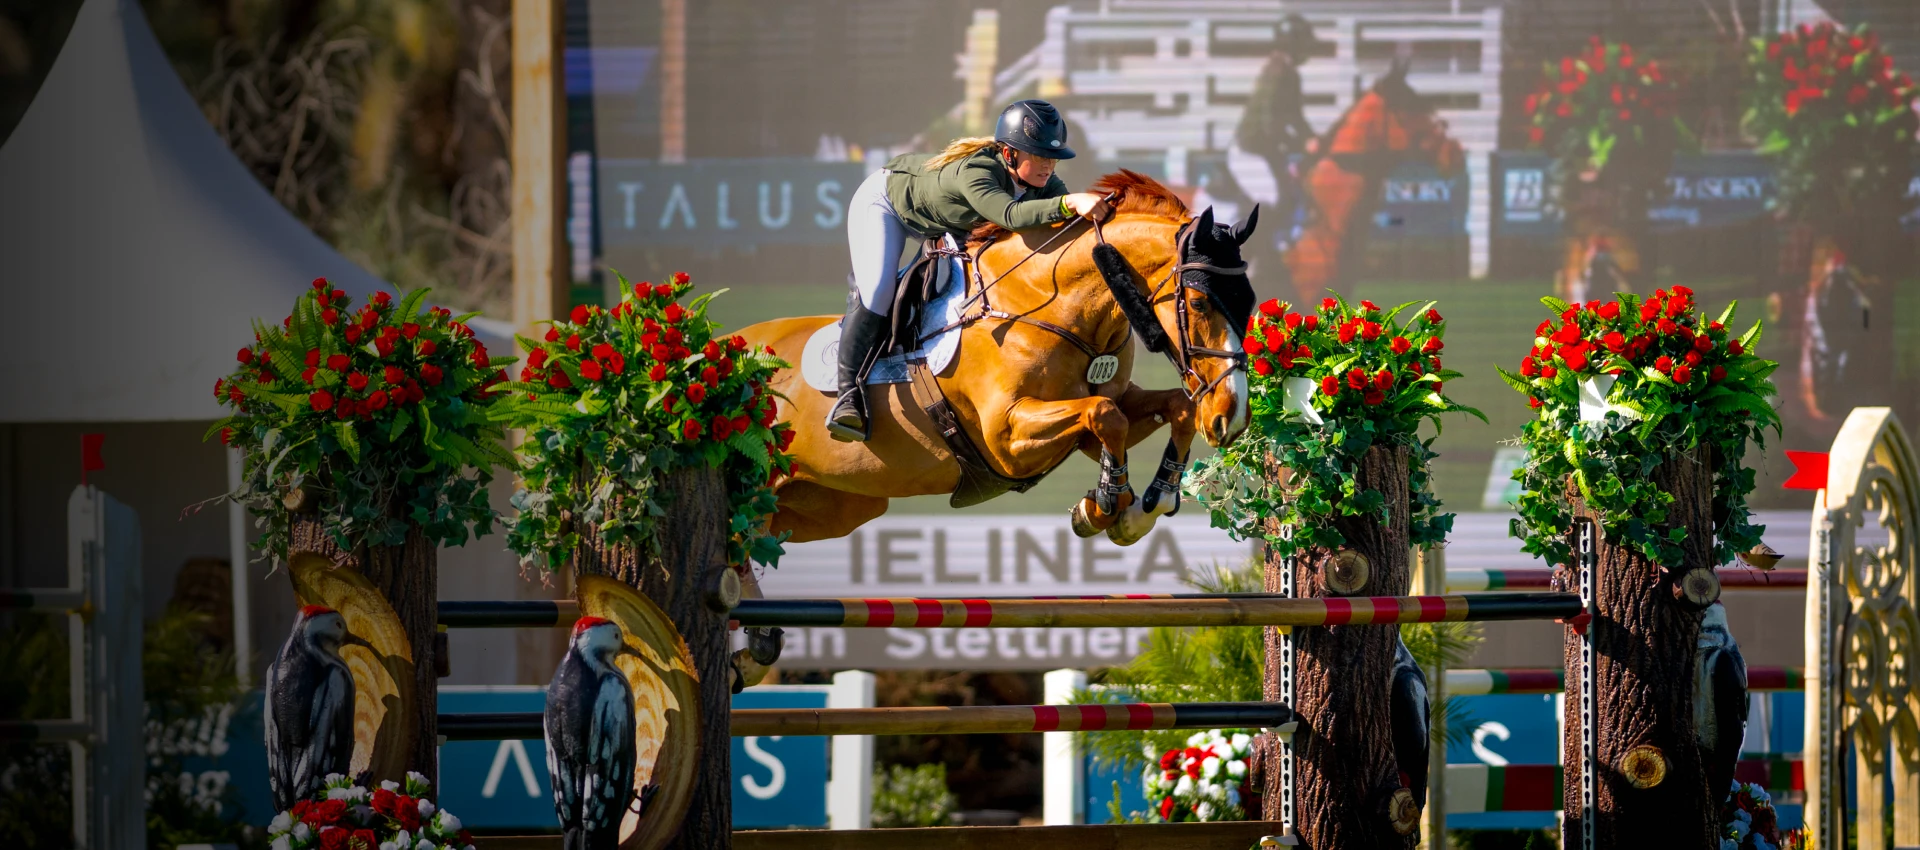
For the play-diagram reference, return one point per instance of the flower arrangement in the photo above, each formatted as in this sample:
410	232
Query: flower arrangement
345	816
1828	106
1750	823
1606	111
1201	781
1619	386
1326	387
613	400
378	415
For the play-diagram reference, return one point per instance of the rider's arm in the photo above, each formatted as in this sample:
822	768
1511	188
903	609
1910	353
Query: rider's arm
980	188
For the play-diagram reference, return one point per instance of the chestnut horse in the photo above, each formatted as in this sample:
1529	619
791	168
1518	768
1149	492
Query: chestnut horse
1020	387
1389	124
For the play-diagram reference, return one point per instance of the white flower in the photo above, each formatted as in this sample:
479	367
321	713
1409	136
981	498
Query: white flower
1739	830
388	845
1210	767
426	808
1233	797
1196	739
281	823
1241	741
334	780
1204	811
403	839
1236	768
301	832
1742	816
1184	787
425	845
281	843
390	785
1760	795
1162	782
448	822
1729	844
1152	754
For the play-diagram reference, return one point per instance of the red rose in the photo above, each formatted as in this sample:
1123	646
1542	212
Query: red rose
1293	321
1383	379
1534	403
1372	396
353	335
1347	332
339	297
1682	373
1610	310
1718	374
558	380
710	376
1615	342
580	314
1312	322
1666	326
1330	385
741	423
431	374
573	342
737	342
1528	368
711	351
1328	305
1433	345
1357	379
528	373
1433	364
1692	358
602	351
658	373
1370	331
427	347
357	381
319	283
675	313
414	392
378	400
410	814
1575	357
329	316
673	336
1548	370
591	370
308	373
1303	352
394	375
245	355
1702	344
553	334
409	330
1568	333
1261	367
334	839
384	346
1735	348
1369	306
1648	310
664	290
696	393
537	358
1271	309
1166	808
326	813
1169	759
662	352
618	363
1400	345
690	429
1254	345
1664	363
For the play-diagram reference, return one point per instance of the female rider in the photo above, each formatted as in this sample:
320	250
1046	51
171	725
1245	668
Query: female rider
1007	180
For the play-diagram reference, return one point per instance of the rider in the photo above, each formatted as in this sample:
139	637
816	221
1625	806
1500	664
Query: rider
1274	127
1007	180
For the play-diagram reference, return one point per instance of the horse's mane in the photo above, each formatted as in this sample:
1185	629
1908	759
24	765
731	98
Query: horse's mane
1137	192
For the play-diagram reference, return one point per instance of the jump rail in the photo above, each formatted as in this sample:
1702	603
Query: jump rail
1553	680
930	720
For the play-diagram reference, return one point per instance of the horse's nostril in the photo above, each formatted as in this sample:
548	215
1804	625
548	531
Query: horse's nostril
1219	426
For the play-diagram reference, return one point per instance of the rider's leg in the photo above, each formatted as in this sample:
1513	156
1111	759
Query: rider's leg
875	238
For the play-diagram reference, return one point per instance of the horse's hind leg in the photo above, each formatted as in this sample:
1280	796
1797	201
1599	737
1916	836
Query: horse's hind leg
814	512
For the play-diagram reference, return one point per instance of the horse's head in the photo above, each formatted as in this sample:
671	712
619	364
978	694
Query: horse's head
1206	316
1393	118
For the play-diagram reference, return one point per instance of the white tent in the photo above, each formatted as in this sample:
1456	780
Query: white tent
134	247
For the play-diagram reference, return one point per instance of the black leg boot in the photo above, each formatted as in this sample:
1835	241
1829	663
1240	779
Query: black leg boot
861	334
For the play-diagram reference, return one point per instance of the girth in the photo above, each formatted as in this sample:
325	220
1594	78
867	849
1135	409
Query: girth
979	481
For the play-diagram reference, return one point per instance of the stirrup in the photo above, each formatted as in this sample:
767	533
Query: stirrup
850	402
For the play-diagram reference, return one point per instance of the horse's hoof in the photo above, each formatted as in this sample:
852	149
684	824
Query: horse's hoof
1082	525
1132	526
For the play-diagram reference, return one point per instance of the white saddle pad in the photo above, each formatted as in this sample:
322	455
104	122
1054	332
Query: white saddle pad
820	361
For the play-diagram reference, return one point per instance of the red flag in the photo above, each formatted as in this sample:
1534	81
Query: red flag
90	458
1809	471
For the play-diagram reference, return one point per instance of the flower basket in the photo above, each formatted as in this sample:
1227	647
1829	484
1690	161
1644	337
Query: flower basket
1332	473
367	441
345	816
1644	413
1202	782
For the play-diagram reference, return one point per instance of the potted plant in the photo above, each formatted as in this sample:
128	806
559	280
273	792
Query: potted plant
1608	116
367	441
1644	413
1332	473
346	816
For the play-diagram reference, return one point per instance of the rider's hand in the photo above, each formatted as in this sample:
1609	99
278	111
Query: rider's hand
1087	204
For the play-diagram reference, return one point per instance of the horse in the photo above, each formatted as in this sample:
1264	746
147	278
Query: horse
1389	124
1019	387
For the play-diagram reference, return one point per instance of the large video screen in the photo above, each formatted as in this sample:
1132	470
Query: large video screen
726	138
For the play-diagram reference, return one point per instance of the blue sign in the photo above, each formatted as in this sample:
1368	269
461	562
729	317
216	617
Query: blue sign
777	781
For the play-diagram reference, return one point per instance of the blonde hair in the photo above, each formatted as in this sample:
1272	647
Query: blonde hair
960	149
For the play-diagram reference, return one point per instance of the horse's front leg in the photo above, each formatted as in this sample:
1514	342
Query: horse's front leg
1090	424
1150	408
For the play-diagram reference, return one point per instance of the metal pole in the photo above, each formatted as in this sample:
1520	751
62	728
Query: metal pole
239	557
1589	710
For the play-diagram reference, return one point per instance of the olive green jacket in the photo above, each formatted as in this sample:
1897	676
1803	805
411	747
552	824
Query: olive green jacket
966	193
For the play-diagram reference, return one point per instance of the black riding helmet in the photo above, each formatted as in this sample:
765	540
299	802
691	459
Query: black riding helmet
1035	127
1295	33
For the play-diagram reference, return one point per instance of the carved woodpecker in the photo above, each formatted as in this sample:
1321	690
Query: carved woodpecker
1719	700
1409	718
309	715
589	730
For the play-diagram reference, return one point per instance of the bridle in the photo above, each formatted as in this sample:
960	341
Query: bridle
1181	354
1184	352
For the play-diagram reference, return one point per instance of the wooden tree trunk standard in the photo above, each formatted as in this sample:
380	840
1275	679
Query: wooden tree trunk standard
692	539
1344	765
408	576
1644	655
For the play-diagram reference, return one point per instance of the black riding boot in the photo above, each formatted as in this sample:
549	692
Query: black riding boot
860	336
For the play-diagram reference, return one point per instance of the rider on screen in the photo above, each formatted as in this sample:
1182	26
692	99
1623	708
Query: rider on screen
1007	180
1274	128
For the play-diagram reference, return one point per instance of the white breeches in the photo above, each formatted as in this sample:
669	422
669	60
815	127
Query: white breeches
876	238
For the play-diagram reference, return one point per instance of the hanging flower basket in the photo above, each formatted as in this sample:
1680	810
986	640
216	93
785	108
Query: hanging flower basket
1608	116
345	816
615	401
1201	782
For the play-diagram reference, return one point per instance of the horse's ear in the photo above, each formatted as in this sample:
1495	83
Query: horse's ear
1203	226
1401	64
1244	229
